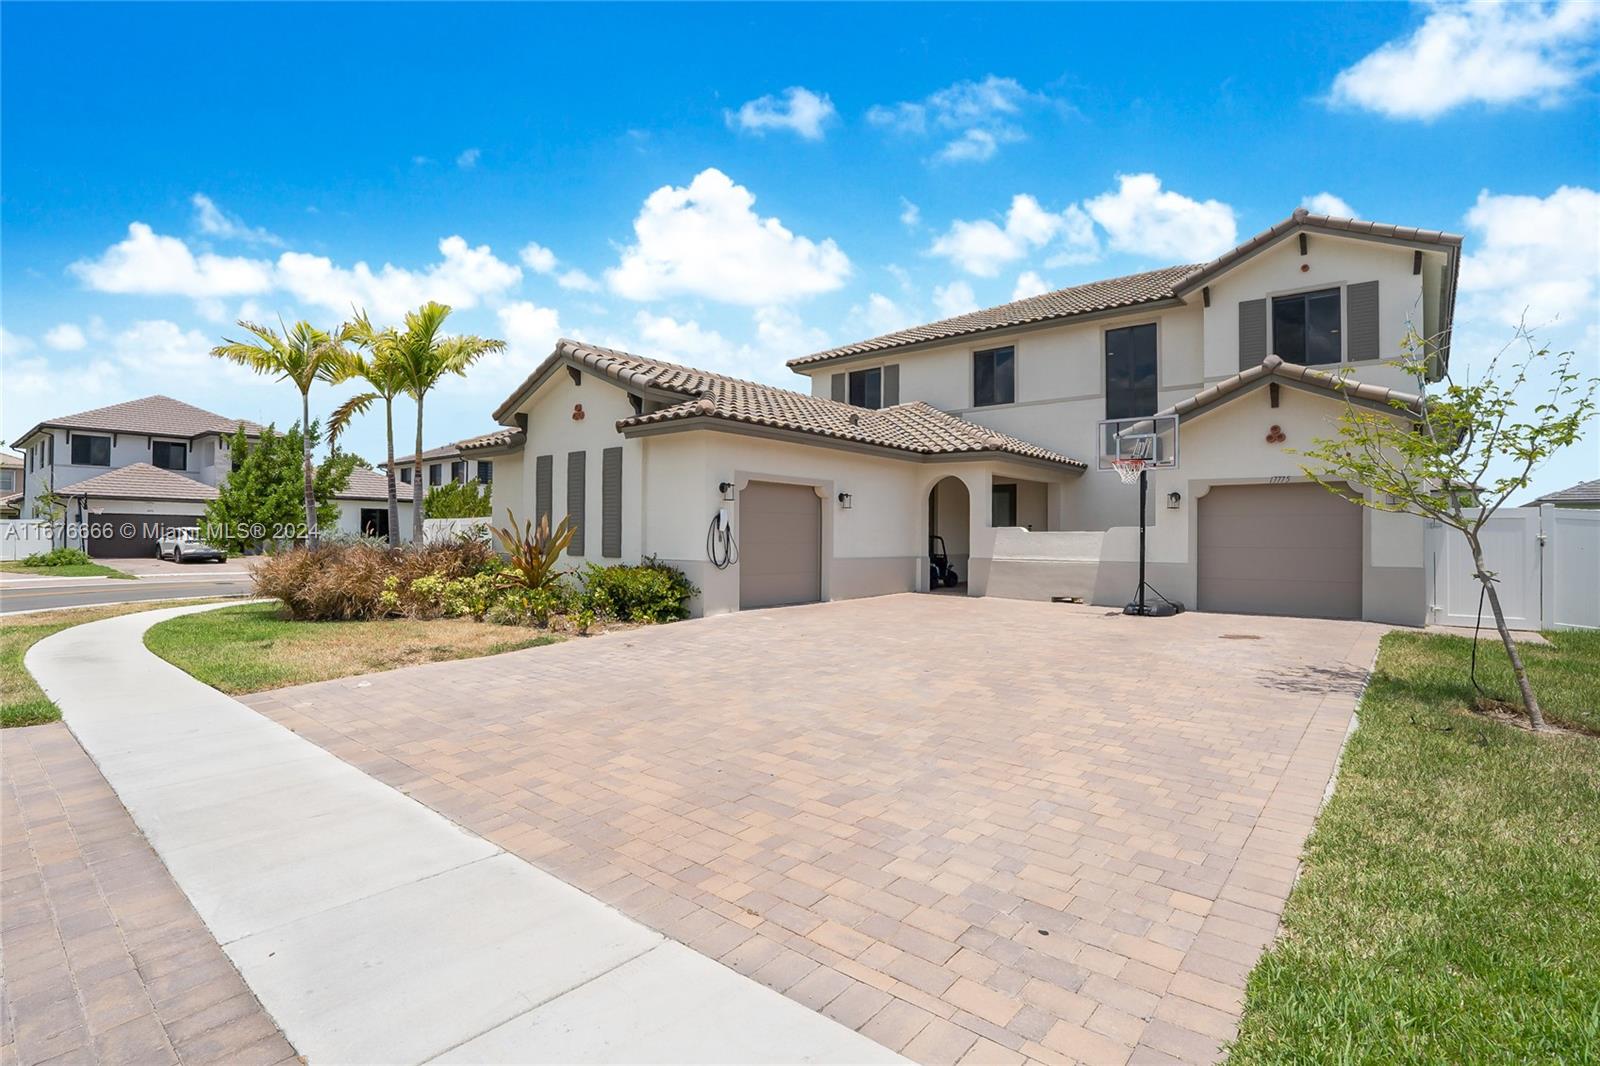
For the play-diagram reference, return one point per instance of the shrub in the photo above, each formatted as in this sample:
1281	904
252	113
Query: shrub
58	557
650	592
532	553
370	580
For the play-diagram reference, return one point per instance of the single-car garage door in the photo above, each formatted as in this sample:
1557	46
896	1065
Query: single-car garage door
130	536
780	546
1280	549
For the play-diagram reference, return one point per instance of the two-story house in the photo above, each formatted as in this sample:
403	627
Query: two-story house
128	471
982	429
10	484
445	464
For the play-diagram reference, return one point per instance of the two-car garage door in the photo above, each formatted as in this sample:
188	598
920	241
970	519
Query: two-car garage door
780	545
1280	549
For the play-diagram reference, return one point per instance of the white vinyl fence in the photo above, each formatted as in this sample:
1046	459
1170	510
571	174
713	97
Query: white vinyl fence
22	537
435	530
1546	562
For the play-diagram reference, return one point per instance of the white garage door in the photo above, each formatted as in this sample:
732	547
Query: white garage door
1280	549
780	546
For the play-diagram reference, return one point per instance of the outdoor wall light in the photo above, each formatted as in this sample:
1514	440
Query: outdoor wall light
726	488
1173	499
844	500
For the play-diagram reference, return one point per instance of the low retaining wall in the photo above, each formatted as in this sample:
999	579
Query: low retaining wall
1029	565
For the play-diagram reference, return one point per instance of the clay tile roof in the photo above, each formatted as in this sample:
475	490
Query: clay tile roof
368	484
1272	366
500	438
443	451
141	481
160	416
1135	289
10	461
1584	492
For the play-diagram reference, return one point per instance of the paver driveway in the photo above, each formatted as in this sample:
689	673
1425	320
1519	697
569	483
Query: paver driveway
973	829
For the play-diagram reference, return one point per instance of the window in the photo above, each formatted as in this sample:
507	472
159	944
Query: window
458	470
8	481
433	474
485	471
1003	509
1131	371
169	455
994	378
1305	327
866	388
91	451
405	474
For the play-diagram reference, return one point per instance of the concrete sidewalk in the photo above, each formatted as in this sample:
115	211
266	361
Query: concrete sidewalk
371	928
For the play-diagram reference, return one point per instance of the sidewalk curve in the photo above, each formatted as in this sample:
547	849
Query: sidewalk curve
373	929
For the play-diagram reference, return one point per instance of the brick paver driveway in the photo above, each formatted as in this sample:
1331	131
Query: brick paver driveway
973	829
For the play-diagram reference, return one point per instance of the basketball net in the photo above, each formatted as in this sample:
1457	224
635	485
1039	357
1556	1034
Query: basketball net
1128	469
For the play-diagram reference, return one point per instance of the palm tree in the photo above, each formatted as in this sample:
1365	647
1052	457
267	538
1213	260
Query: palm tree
304	355
379	369
424	355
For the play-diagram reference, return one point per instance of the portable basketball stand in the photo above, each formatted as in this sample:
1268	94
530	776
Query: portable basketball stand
1130	446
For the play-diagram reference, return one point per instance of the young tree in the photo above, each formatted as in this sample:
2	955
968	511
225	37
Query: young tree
377	366
304	355
424	355
261	498
1436	462
458	500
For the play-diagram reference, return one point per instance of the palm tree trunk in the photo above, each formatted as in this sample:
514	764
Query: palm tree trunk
305	451
394	495
1529	701
418	490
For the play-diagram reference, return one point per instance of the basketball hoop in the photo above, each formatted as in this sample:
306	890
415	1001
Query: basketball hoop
1128	469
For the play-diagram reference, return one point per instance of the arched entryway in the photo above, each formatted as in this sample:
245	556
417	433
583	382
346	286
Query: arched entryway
949	531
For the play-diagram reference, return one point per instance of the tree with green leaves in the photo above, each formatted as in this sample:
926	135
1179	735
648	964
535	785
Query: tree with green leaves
51	505
377	365
458	499
261	499
424	354
304	355
1460	457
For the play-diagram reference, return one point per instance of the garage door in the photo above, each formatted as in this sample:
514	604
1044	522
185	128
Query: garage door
129	536
1280	549
780	546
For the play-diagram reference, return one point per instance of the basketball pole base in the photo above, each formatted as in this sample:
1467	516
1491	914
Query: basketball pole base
1143	608
1162	609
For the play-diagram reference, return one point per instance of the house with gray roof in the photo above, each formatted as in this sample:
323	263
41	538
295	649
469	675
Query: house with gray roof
1585	495
977	439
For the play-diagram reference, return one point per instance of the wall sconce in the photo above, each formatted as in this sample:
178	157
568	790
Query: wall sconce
1173	499
726	488
844	500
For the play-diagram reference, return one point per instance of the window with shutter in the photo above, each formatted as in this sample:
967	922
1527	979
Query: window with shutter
576	465
611	503
1252	333
1361	312
891	385
543	475
841	388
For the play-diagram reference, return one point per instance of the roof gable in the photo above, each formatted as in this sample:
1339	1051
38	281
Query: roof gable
1305	377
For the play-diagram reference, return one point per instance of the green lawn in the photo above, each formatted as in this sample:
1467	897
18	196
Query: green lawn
70	570
21	701
253	647
1449	906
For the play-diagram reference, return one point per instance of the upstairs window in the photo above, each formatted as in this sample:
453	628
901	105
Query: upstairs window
8	480
485	472
458	470
405	474
90	451
433	474
994	378
866	388
1305	328
1131	371
169	455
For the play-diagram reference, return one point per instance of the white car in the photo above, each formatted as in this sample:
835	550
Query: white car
185	545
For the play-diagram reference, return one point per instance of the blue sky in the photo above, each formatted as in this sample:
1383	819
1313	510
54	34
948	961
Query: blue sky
733	186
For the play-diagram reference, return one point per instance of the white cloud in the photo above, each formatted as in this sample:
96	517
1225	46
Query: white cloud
1142	218
530	333
1476	53
798	110
212	221
956	298
982	115
684	342
464	277
537	258
878	315
1029	284
1325	203
469	158
983	247
910	214
66	337
577	280
1539	255
152	264
781	334
704	240
13	344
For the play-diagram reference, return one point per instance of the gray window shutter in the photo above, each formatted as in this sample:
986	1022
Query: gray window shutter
611	503
841	388
1361	321
576	463
1252	333
891	385
543	473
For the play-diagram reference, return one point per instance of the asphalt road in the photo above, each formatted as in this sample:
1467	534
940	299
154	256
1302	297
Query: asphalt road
15	601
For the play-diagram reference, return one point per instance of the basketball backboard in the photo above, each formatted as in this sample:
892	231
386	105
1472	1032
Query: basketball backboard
1153	438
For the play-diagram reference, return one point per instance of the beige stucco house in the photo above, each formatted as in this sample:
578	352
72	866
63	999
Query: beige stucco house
981	430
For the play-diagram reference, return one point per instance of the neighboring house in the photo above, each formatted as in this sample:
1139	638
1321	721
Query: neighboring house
364	504
445	464
10	484
982	429
1584	495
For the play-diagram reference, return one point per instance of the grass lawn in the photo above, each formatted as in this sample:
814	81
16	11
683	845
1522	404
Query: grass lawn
253	647
1449	906
70	570
21	701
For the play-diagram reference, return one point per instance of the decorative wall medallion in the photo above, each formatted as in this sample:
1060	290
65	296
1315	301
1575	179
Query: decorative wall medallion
577	413
1275	435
